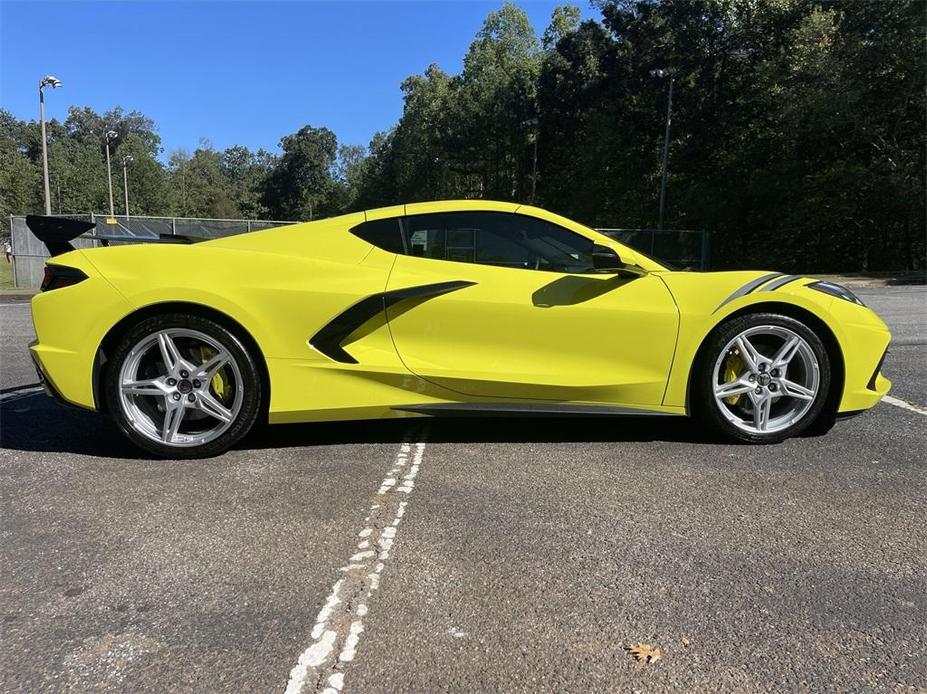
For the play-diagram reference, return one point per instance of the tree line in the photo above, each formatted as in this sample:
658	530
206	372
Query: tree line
798	134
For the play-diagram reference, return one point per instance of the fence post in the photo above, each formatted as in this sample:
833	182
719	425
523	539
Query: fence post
706	248
173	226
13	254
249	226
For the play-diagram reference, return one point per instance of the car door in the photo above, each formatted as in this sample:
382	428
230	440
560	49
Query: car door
518	313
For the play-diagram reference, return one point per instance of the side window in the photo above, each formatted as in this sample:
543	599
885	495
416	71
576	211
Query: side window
382	233
498	238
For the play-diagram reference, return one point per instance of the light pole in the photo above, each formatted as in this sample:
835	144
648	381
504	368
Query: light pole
54	83
125	180
665	72
108	137
533	122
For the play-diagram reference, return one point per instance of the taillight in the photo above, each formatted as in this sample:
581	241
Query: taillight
58	276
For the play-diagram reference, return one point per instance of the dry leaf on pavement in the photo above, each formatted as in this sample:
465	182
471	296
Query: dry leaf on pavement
644	652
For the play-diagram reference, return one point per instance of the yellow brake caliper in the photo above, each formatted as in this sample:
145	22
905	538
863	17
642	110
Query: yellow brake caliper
733	368
219	385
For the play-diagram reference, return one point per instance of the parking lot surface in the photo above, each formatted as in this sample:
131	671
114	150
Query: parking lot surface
508	554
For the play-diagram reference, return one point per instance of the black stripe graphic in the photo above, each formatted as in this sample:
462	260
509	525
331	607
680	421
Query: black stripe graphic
748	287
780	283
329	338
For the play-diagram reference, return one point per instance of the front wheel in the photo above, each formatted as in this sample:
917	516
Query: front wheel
182	386
762	378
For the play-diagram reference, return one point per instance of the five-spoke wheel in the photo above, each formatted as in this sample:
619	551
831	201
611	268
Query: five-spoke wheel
763	377
183	386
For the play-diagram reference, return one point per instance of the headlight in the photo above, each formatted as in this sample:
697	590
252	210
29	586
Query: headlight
836	290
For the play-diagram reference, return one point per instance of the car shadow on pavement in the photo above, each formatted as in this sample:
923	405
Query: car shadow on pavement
469	429
34	422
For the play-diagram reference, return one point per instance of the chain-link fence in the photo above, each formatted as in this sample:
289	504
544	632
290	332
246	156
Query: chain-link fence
683	249
30	254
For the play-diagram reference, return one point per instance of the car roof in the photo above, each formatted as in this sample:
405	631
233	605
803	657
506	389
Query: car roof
442	206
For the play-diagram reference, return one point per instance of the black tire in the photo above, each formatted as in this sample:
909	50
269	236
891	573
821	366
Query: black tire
708	408
251	385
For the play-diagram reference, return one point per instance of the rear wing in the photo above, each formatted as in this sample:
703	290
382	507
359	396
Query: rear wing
58	232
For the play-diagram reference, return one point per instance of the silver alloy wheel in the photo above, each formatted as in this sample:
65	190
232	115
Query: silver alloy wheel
180	387
766	379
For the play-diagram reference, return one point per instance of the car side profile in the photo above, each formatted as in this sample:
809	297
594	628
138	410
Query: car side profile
439	308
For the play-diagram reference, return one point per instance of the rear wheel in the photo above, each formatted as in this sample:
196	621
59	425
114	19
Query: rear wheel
762	378
182	386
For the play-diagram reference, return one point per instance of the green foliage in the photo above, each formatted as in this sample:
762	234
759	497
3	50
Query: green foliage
205	189
798	125
20	176
798	134
563	22
77	166
301	185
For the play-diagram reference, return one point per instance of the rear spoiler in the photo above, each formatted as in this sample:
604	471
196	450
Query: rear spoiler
58	232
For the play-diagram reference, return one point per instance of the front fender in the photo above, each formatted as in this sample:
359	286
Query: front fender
706	300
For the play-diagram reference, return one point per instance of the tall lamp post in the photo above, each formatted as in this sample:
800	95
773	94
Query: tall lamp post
125	180
661	73
54	83
108	137
534	123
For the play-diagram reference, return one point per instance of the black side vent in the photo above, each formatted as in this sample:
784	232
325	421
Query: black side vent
328	340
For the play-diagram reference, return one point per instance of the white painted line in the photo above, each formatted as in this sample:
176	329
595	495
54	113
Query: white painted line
338	627
904	404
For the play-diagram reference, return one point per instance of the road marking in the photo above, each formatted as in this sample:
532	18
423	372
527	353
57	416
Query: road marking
904	404
340	623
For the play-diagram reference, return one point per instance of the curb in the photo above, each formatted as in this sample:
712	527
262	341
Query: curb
17	294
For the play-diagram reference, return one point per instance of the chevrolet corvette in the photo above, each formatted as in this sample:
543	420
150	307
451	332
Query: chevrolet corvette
443	308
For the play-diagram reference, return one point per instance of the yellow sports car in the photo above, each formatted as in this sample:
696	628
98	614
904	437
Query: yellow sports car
438	308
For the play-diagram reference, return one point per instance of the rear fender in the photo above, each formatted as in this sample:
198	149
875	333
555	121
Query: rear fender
70	323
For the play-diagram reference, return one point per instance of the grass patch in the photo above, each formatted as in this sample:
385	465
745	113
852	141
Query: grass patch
6	274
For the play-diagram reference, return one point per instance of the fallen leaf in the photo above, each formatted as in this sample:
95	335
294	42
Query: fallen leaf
685	642
644	652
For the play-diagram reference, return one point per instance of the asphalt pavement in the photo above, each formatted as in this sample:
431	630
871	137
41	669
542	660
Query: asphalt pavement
467	555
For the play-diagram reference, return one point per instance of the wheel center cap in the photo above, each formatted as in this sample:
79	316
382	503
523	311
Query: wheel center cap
763	379
184	386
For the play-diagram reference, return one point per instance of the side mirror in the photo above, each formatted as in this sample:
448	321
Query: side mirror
605	259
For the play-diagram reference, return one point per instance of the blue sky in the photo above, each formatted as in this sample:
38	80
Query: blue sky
236	72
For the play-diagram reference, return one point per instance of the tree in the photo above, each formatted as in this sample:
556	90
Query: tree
420	154
563	22
301	184
246	172
495	99
347	174
467	135
20	178
798	136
